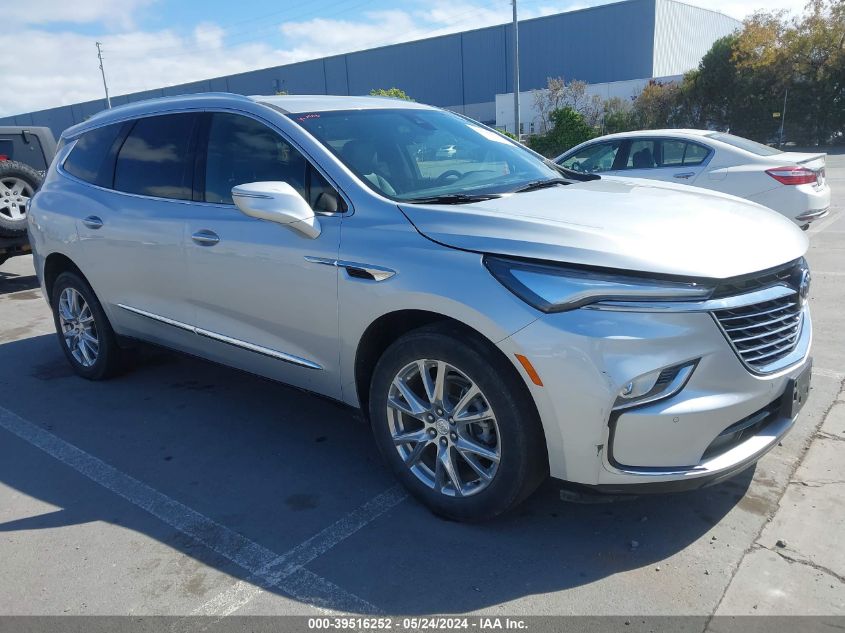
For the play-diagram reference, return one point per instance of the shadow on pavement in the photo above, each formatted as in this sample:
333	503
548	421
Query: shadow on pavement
278	465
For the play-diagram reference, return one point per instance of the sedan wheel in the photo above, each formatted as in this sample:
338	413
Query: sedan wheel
443	427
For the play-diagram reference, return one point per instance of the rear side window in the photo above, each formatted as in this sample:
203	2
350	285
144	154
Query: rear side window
695	154
24	147
677	153
92	158
156	159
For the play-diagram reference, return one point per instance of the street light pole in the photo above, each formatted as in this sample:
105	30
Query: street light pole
103	72
783	117
515	73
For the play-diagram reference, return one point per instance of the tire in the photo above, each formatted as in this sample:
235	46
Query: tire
86	316
508	446
18	183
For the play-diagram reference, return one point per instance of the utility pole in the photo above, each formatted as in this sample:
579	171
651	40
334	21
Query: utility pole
515	73
103	72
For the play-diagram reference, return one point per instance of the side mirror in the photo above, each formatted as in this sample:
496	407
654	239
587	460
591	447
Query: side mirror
277	202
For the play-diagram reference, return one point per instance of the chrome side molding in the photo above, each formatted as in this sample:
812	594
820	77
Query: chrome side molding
258	349
355	269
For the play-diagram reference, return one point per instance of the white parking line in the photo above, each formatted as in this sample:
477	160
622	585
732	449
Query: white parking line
267	568
291	563
829	272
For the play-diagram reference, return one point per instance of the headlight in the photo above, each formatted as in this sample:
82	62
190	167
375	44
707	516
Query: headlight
556	288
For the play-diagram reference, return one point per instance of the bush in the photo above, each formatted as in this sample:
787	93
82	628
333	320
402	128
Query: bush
568	130
394	93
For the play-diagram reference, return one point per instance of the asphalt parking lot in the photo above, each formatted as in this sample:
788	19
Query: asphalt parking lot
186	488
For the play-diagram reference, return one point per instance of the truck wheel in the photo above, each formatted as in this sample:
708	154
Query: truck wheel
18	183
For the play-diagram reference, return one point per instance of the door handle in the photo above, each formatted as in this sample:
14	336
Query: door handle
685	175
93	222
205	238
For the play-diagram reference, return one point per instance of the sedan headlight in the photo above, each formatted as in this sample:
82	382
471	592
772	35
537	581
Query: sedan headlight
556	288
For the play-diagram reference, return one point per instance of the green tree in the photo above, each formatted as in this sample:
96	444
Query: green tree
656	106
395	93
617	116
568	130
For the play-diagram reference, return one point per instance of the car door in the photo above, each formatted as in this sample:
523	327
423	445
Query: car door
265	301
132	232
672	160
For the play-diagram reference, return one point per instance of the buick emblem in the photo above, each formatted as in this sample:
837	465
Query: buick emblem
804	286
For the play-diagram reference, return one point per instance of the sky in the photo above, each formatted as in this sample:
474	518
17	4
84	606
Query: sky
154	43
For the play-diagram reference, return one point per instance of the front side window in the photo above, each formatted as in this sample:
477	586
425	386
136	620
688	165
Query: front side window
242	150
155	159
92	158
410	155
593	158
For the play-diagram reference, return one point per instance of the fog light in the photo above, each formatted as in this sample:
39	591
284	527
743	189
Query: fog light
655	385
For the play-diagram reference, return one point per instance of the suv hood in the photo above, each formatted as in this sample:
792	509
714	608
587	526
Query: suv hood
626	224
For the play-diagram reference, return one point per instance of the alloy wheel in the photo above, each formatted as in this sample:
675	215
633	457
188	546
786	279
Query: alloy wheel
443	428
78	327
14	194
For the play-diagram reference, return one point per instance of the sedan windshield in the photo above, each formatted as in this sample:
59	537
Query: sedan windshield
426	155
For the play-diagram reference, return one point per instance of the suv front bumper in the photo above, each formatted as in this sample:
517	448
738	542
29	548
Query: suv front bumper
585	357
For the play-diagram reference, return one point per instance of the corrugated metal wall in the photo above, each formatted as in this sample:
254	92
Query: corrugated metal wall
463	71
683	34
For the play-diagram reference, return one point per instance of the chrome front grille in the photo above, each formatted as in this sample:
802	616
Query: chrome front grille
764	332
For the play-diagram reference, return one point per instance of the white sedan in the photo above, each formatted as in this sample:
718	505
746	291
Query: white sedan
791	183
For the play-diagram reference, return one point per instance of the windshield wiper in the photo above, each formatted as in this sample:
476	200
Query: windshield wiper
542	184
453	198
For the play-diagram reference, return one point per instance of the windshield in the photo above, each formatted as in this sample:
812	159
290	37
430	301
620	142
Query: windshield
410	155
744	143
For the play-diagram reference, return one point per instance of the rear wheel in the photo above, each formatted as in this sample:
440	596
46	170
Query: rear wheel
84	331
456	425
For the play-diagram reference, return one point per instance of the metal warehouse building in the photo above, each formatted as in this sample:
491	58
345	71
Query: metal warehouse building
636	39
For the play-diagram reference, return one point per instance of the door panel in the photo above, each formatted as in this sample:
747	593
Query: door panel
132	242
136	259
255	287
259	304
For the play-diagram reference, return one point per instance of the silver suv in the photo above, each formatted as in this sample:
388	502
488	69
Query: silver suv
499	320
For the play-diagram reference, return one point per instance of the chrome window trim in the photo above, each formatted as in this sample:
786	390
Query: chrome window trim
252	347
771	293
71	143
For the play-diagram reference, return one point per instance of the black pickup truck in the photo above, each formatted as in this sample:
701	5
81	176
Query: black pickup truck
25	154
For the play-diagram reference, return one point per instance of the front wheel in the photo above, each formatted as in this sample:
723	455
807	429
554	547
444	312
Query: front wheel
456	425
